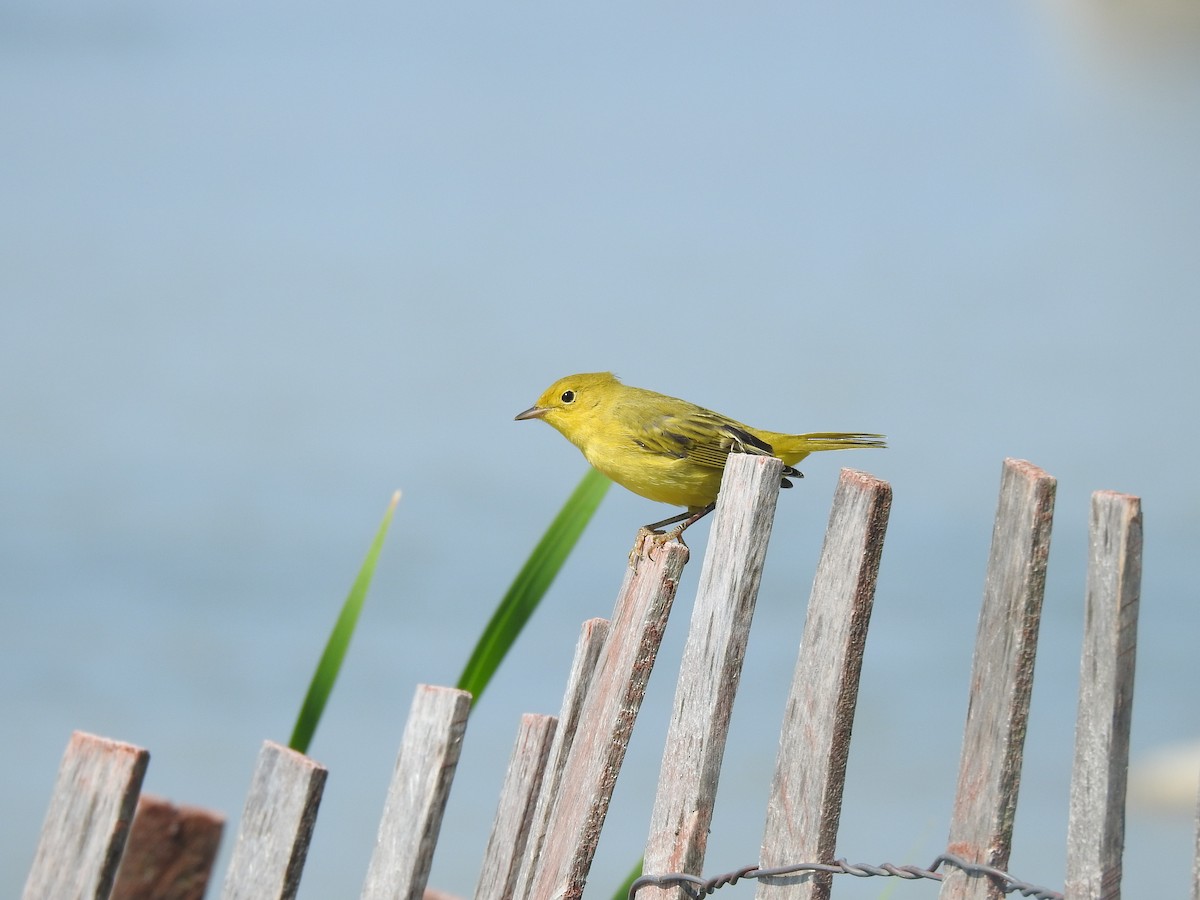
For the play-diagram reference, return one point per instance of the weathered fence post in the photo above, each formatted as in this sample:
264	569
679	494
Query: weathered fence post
170	852
416	799
1001	680
814	743
1096	830
277	823
606	723
562	772
711	668
1196	858
509	839
592	638
88	819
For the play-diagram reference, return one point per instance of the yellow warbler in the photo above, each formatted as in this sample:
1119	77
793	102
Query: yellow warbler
664	449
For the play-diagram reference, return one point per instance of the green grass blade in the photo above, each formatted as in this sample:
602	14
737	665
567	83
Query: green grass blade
532	582
339	641
634	874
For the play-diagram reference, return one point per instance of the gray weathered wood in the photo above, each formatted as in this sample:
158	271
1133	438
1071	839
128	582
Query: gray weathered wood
711	668
1002	678
607	721
1196	857
1096	831
170	852
417	794
806	794
88	820
591	642
514	814
277	823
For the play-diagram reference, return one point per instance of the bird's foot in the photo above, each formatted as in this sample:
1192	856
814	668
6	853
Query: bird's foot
648	540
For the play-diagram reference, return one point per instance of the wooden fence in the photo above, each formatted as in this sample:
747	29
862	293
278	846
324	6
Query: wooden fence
562	771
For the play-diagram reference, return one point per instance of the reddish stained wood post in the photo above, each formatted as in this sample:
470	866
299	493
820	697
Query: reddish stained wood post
806	795
1096	830
417	795
88	820
1001	680
711	668
170	852
277	823
606	723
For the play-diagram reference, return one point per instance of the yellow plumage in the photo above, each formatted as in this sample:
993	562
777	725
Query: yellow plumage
665	449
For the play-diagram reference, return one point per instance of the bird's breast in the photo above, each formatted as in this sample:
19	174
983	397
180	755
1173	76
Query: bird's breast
659	477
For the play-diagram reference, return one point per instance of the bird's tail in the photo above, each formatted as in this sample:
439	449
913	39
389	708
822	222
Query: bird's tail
792	448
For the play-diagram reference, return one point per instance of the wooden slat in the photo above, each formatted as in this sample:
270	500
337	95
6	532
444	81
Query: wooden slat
1196	857
607	721
514	814
1001	680
88	820
711	668
170	852
591	642
277	823
806	793
1096	831
417	795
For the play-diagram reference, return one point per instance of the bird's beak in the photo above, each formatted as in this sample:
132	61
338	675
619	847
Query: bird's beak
534	412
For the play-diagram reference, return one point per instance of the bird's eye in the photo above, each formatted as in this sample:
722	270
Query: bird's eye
568	397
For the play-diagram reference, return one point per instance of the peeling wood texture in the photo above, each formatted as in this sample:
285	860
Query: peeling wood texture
1001	680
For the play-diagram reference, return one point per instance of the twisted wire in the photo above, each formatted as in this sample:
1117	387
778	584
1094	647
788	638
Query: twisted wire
696	887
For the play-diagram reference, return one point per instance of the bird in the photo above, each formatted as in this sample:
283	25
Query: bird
665	449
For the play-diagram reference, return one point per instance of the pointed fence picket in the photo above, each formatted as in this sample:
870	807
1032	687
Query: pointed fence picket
562	771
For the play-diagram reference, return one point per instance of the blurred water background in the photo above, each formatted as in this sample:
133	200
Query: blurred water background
264	263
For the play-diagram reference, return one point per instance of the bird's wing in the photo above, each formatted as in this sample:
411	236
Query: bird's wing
704	438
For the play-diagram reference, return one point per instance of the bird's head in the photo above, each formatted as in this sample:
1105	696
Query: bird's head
569	402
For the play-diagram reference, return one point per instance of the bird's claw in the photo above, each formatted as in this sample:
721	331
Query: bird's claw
648	536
